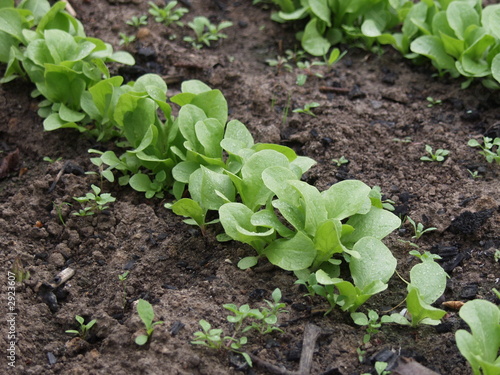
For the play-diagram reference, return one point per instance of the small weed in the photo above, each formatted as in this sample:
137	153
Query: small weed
123	279
418	228
487	148
245	319
136	21
206	32
19	272
496	255
58	208
474	174
334	57
50	160
93	202
146	313
167	15
341	161
439	156
125	39
307	109
433	102
83	329
371	321
281	63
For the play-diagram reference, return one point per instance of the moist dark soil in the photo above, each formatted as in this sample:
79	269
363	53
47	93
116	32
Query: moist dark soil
373	111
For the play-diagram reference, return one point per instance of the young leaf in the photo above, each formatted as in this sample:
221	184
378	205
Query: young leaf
292	254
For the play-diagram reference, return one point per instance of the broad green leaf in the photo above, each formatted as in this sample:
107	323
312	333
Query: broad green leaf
430	279
13	21
291	213
63	47
135	115
480	347
213	104
122	57
188	116
321	10
247	262
417	14
491	20
38	7
432	47
292	254
140	182
376	263
209	133
54	122
189	208
327	241
146	313
69	115
312	204
460	15
495	67
236	221
150	80
236	137
421	312
204	185
276	179
346	198
267	218
376	223
313	41
194	87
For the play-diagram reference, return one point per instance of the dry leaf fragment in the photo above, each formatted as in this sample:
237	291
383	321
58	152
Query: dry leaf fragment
9	163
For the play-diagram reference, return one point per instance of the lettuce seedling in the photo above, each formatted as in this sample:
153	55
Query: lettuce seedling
206	32
480	346
439	155
83	328
427	284
167	15
146	313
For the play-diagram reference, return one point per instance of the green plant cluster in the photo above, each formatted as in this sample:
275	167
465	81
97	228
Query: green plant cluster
460	37
49	47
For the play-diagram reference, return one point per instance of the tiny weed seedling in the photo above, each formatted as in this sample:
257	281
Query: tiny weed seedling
380	369
123	279
50	160
488	148
341	161
93	202
146	313
281	63
125	39
418	228
496	255
19	272
433	102
138	21
474	174
58	208
440	154
206	32
245	319
370	320
83	329
307	109
167	15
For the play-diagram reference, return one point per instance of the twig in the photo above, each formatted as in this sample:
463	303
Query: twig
311	334
69	8
337	90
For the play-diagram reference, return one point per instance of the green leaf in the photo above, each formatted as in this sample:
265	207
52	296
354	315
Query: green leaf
480	347
209	133
189	208
421	312
495	68
312	40
430	279
376	263
236	138
312	204
69	115
206	187
432	47
321	10
267	218
141	340
194	87
213	104
460	15
140	182
247	262
146	313
376	223
327	241
292	254
347	198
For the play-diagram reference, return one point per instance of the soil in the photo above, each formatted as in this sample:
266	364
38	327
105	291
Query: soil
373	111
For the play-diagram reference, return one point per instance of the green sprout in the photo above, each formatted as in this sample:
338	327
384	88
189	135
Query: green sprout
281	63
83	329
370	320
433	102
418	228
50	160
245	319
341	161
307	109
440	154
487	148
138	21
206	32
125	39
474	174
146	313
93	202
167	15
123	279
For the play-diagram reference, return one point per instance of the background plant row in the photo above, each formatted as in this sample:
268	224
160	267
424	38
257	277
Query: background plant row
460	37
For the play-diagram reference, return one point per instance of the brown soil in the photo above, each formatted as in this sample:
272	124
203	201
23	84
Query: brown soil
376	103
